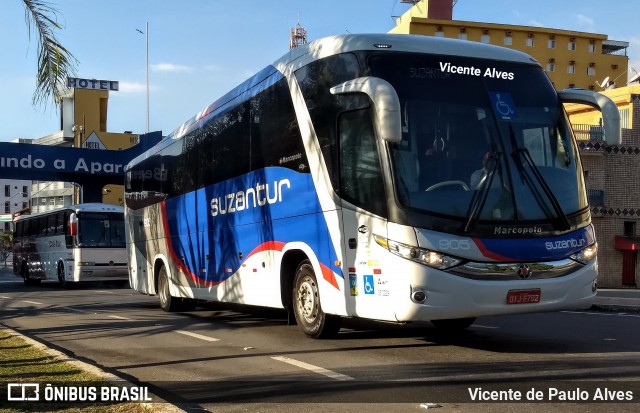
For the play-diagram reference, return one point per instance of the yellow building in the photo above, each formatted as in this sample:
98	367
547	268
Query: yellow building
623	97
89	130
84	112
571	59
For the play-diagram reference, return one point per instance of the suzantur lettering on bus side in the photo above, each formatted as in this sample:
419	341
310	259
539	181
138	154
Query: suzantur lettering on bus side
254	197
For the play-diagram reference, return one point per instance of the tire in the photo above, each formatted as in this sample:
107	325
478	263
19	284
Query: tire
453	324
307	308
25	276
61	277
167	302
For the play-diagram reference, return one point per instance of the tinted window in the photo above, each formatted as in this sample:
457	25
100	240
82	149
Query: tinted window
275	135
230	132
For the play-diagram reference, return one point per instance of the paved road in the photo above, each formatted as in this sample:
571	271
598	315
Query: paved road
222	354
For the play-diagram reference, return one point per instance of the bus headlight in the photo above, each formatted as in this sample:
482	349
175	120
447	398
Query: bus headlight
423	256
586	255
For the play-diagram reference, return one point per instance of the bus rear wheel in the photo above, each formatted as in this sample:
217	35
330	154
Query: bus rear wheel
25	275
306	305
167	302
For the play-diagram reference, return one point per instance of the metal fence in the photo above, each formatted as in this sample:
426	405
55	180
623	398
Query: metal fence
585	132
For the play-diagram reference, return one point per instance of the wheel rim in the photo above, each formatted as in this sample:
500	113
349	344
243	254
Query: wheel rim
163	290
308	300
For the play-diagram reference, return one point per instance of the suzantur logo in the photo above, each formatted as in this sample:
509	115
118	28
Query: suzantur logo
564	244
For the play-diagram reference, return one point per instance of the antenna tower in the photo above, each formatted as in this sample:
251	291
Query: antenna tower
298	35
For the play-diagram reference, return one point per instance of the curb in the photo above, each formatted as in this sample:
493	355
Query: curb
615	308
161	407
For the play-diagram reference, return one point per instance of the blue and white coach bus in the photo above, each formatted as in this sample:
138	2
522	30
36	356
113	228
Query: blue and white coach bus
84	242
388	177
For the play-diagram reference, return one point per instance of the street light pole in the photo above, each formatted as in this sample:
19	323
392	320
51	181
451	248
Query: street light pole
147	35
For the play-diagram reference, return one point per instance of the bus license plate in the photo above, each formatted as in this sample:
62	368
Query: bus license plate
523	296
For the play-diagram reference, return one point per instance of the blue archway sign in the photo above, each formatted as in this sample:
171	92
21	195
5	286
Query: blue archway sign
90	168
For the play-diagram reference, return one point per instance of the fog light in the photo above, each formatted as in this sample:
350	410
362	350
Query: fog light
419	296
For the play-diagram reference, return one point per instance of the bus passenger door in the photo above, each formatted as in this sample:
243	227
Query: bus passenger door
363	211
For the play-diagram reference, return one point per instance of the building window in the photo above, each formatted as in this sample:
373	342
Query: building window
7	227
629	228
24	191
591	71
6	207
485	38
571	69
439	33
551	43
572	45
462	36
25	205
530	42
7	190
551	67
508	40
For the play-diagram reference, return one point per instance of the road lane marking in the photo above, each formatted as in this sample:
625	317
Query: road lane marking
7	298
73	309
196	335
481	326
32	302
119	317
328	373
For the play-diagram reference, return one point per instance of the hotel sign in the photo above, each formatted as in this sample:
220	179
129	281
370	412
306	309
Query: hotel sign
78	83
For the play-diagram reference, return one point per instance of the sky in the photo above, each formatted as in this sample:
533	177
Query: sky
200	49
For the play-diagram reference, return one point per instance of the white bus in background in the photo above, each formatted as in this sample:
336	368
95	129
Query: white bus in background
76	243
390	177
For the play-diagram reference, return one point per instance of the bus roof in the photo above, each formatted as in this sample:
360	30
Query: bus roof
88	207
328	46
331	45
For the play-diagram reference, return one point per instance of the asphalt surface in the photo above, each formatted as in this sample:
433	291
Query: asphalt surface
608	300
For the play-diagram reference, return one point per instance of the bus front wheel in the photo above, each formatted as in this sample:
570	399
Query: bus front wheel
61	277
306	305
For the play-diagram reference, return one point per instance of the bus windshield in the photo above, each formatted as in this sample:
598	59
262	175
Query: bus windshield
100	230
478	145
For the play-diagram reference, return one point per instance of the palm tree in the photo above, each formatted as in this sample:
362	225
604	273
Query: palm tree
55	62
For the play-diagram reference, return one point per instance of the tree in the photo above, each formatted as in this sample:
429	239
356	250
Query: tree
55	62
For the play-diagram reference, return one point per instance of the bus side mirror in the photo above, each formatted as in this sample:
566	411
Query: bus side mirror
610	113
386	105
73	225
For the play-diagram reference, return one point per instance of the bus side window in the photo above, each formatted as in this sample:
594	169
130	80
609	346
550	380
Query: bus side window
18	230
43	222
51	224
60	222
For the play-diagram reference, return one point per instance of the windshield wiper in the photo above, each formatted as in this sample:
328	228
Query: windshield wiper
480	197
560	215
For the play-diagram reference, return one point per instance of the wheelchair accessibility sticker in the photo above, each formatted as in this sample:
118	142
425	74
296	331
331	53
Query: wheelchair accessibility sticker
368	284
503	105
